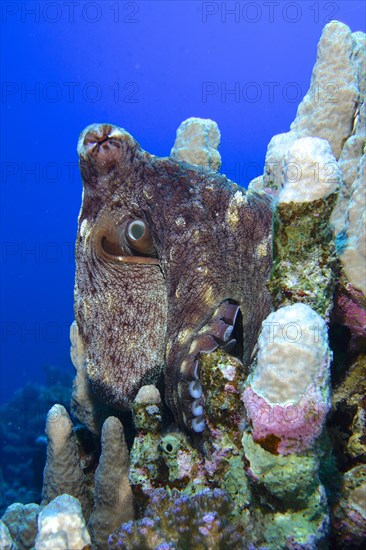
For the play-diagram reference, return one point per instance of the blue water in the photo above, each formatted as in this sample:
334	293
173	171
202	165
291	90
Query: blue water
146	66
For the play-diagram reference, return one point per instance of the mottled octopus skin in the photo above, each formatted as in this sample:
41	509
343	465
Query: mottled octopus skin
140	316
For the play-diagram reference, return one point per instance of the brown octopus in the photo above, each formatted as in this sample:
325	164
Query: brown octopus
171	262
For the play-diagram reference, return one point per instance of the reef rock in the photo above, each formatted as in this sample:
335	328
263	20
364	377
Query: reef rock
177	521
177	272
328	109
350	163
310	171
350	297
102	487
300	517
304	253
147	410
63	473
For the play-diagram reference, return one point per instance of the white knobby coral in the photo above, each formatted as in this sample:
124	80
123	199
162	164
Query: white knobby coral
292	353
197	142
310	171
61	525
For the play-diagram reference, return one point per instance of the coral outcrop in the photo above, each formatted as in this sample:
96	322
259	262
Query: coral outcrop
328	109
304	262
63	473
353	240
286	400
6	541
332	107
350	511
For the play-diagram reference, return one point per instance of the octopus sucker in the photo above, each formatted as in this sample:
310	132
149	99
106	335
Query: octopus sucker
215	334
182	280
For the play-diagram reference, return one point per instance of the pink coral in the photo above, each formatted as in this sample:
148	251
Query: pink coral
286	428
350	310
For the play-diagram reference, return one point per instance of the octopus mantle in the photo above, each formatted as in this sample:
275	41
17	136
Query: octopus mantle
171	262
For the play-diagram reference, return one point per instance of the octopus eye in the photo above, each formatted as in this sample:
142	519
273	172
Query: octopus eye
139	238
129	241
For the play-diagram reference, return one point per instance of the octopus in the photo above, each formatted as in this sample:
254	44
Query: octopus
172	262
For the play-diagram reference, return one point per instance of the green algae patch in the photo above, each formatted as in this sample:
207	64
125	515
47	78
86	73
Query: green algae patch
222	377
305	264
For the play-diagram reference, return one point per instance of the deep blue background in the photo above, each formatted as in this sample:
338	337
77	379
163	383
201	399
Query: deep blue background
144	66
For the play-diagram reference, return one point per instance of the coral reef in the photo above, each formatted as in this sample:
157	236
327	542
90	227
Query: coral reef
63	472
290	504
349	217
321	219
99	484
286	400
304	262
350	512
331	109
6	541
256	334
353	244
328	109
160	458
